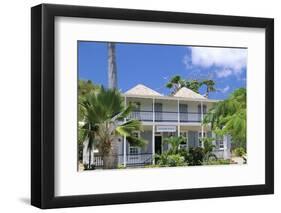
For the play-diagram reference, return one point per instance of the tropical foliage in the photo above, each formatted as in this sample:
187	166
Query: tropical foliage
85	87
228	117
195	156
180	156
239	151
174	143
218	162
104	121
170	160
85	129
210	86
177	82
208	148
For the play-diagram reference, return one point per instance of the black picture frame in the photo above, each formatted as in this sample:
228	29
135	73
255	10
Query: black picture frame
43	111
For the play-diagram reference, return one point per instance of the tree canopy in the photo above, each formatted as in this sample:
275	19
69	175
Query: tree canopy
228	117
104	114
177	82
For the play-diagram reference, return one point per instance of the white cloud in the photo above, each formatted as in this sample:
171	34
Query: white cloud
223	73
228	60
187	61
225	89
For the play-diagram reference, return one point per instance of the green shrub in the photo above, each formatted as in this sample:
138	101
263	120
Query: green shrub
195	156
208	149
152	166
184	153
121	166
174	142
217	162
170	160
239	152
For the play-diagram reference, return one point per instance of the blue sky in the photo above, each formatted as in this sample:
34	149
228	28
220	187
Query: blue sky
153	65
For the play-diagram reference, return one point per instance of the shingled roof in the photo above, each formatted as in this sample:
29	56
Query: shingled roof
141	89
188	93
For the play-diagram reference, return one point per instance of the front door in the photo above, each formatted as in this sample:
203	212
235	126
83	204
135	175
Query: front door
158	145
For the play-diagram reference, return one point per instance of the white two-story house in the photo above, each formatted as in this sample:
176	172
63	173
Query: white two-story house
163	116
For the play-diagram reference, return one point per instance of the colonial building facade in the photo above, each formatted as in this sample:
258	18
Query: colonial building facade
164	116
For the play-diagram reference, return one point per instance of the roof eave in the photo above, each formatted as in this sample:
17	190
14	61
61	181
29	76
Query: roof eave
171	98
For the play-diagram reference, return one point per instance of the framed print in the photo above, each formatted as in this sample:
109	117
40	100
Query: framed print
139	106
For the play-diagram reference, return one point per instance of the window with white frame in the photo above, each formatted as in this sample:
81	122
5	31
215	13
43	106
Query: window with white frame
219	142
134	150
200	138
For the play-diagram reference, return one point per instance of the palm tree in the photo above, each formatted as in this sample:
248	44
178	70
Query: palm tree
88	132
210	86
86	129
176	83
85	87
175	143
194	85
105	111
229	117
112	68
208	148
112	74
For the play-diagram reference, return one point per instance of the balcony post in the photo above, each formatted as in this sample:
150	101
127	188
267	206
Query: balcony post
124	142
202	127
153	110
153	143
178	117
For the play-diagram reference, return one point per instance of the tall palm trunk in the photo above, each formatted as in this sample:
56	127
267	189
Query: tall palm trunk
207	92
112	68
112	159
90	159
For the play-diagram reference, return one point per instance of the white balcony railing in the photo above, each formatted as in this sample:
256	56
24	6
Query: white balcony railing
166	116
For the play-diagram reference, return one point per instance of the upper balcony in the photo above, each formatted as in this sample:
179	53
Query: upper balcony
185	106
167	116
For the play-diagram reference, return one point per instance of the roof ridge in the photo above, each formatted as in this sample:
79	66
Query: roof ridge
188	93
141	89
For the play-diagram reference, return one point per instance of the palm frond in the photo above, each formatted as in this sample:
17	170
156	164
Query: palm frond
135	141
129	127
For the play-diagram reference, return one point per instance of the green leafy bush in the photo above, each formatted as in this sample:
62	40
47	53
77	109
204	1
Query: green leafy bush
121	166
217	162
174	142
239	152
195	156
152	166
170	160
208	149
184	153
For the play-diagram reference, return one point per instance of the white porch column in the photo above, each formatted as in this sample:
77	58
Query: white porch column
225	153
124	142
153	143
153	110
153	130
124	152
202	127
179	118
